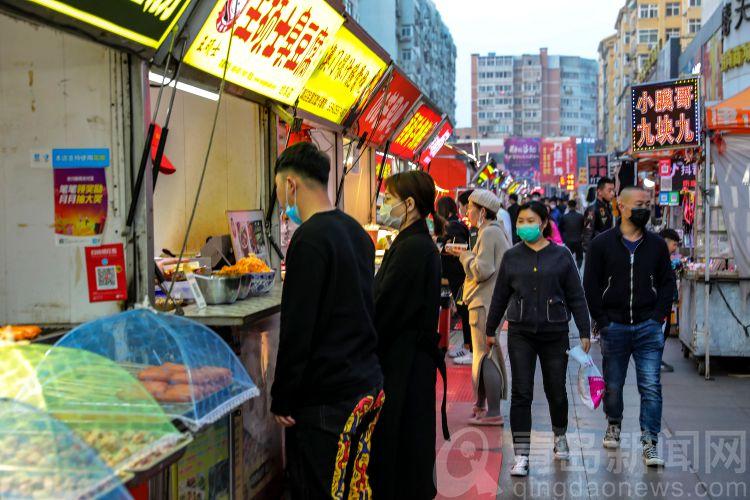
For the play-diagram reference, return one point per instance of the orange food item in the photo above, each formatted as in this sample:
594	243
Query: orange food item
246	265
179	393
156	388
154	373
21	332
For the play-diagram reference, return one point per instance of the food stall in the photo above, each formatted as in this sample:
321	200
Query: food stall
722	216
192	230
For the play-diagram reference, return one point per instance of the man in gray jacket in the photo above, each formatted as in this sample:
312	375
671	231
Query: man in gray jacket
481	265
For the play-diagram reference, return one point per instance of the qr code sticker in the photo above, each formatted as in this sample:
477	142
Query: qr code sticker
106	277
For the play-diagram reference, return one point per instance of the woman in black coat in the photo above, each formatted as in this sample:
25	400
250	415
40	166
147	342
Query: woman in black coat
407	301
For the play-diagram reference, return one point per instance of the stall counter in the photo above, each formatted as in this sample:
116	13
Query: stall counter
256	450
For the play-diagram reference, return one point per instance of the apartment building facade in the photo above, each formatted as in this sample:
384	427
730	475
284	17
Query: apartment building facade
533	95
417	38
641	29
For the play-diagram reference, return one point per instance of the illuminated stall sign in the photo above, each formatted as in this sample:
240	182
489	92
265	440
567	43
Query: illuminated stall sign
438	142
387	108
348	71
147	22
666	115
415	132
277	45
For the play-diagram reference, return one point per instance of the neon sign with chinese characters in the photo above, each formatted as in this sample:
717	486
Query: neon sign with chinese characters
348	71
438	142
414	133
666	115
277	45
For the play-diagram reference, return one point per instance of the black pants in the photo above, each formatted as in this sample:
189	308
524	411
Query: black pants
321	435
463	312
523	350
577	250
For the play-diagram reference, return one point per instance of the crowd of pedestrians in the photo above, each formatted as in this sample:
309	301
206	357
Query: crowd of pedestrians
355	379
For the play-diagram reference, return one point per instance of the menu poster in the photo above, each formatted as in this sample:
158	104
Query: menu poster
80	191
105	269
203	472
247	228
558	159
387	108
277	45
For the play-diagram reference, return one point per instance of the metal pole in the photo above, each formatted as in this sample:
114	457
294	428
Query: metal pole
707	249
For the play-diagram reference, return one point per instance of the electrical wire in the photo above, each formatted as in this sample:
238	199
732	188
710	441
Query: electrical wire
208	151
746	328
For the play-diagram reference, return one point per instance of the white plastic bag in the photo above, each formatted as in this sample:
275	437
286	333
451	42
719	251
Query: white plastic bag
590	380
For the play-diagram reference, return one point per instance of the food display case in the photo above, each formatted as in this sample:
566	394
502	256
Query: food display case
185	366
41	457
102	403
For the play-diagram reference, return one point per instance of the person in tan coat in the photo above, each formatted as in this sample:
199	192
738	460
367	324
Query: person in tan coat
481	265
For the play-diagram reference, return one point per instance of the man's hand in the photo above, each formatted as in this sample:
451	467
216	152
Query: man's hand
284	421
490	341
585	345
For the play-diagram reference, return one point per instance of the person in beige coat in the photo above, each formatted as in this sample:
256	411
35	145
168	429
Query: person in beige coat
481	265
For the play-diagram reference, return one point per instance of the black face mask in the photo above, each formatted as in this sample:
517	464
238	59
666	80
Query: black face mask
640	217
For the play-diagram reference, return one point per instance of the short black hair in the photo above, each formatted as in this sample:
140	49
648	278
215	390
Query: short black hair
603	182
572	204
463	198
305	160
670	234
417	185
539	209
554	198
513	197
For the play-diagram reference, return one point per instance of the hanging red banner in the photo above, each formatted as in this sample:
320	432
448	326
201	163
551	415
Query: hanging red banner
387	109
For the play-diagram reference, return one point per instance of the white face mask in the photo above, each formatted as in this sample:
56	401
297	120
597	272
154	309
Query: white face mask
388	219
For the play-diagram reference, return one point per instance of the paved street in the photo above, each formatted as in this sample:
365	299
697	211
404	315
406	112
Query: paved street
705	426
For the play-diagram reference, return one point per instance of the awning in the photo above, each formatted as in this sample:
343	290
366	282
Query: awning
732	115
448	168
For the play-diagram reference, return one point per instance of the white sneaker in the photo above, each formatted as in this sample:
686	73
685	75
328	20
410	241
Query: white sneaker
466	359
521	467
457	352
651	455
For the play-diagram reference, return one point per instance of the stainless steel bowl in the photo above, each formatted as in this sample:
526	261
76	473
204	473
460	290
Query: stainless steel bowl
245	285
219	289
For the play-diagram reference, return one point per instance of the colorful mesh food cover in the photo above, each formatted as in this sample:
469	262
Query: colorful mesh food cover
186	366
101	402
40	457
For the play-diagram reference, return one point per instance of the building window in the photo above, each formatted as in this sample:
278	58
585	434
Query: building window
694	26
672	33
648	11
406	55
642	58
695	3
406	31
649	37
673	9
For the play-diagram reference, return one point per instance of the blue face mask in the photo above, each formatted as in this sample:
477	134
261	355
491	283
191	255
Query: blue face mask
292	211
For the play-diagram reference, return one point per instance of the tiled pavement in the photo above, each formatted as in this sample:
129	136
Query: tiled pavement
705	428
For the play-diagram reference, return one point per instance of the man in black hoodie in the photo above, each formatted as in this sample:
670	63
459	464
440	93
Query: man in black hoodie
327	387
629	287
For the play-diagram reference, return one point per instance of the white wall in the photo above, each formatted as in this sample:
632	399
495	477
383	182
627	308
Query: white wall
56	90
234	176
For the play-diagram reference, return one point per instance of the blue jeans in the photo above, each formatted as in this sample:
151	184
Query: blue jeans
645	342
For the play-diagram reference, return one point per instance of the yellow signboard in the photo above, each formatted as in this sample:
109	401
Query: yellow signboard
348	71
277	44
147	22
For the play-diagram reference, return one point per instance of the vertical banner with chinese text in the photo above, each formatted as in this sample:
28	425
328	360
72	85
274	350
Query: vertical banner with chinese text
558	160
666	115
